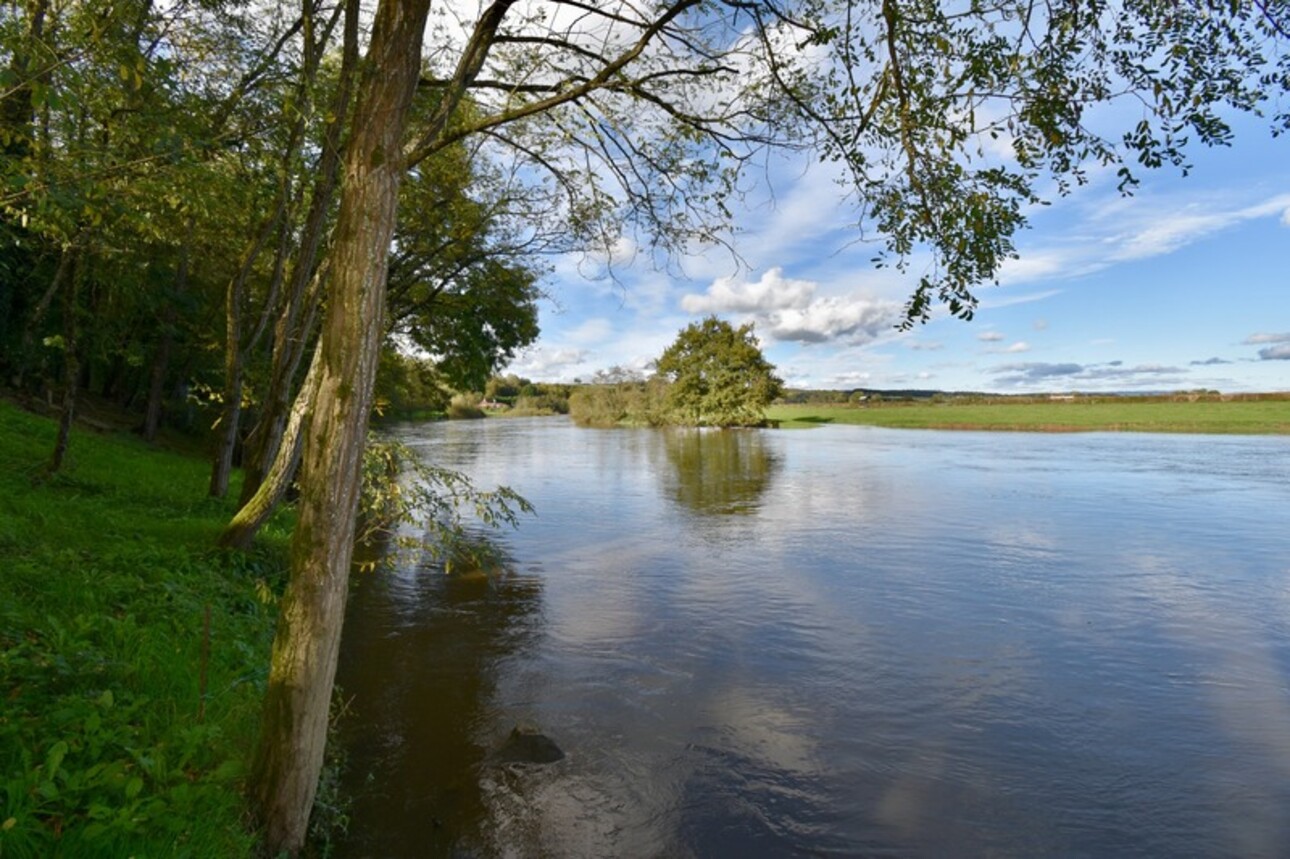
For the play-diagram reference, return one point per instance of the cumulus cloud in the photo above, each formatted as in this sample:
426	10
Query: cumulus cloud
543	363
1019	346
1275	353
772	292
990	336
1264	339
857	320
789	310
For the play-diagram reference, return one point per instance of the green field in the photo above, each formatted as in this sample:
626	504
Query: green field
1259	417
107	575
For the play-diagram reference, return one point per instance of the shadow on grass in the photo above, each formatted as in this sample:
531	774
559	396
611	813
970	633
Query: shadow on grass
813	419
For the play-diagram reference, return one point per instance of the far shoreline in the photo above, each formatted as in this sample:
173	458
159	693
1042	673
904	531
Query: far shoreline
1269	415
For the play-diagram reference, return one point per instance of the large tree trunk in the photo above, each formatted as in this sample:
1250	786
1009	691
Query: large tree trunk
305	648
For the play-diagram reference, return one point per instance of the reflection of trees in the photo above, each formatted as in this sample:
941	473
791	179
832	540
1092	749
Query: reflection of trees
419	665
723	471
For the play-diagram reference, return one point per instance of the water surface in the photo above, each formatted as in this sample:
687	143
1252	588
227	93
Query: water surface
847	641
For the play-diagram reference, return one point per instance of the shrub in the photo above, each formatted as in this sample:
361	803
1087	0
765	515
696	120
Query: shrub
465	407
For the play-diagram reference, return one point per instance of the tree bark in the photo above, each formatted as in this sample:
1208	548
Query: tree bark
260	506
61	274
305	648
71	364
295	324
161	362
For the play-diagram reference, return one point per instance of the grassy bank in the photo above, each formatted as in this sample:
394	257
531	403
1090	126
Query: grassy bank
1122	415
106	580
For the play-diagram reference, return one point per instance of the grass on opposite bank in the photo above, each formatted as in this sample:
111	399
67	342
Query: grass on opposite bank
1259	417
107	573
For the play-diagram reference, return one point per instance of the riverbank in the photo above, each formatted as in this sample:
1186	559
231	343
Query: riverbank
132	654
1258	417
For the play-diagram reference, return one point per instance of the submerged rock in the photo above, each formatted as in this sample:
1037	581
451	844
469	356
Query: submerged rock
526	746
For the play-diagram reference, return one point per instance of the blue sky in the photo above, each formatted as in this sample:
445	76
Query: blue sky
1184	285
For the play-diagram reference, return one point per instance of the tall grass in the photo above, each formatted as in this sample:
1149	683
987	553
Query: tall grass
107	745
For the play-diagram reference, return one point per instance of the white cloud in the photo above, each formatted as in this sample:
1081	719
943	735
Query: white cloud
1285	218
772	292
1025	298
856	319
1040	324
1165	231
595	330
1019	346
990	336
548	364
789	310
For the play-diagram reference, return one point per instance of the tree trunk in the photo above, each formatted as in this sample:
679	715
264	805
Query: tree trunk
71	364
61	274
161	363
260	506
305	648
295	324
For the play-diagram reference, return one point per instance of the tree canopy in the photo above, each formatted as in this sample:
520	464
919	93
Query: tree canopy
718	375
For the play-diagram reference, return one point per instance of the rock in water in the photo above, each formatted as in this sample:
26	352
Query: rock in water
524	746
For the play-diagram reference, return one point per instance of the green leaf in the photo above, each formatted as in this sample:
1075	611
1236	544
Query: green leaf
54	759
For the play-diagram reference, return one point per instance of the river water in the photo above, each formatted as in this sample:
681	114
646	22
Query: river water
846	641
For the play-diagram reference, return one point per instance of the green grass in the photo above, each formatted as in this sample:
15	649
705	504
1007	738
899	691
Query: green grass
106	575
1119	415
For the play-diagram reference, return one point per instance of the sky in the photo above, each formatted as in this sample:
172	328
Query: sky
1184	285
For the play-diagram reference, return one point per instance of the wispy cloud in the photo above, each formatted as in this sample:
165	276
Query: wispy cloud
1168	231
1209	362
1128	230
1275	353
990	336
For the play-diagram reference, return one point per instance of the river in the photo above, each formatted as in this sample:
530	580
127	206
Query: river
844	641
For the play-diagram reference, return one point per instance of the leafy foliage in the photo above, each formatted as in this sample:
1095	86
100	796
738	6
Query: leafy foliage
107	745
718	375
418	506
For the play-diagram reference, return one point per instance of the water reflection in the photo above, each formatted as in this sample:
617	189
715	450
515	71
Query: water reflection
419	664
908	644
717	471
